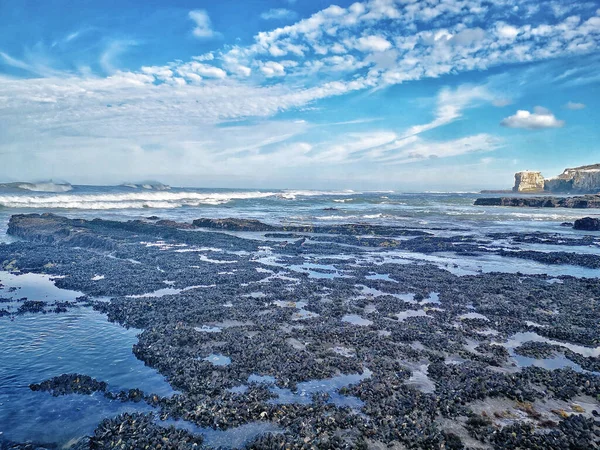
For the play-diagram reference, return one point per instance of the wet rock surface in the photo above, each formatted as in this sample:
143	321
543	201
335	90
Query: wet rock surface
587	224
141	431
583	201
70	384
349	229
324	335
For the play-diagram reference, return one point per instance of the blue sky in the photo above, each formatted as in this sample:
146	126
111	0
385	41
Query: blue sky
378	94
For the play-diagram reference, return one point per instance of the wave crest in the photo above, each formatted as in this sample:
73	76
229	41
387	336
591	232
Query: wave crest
142	199
44	186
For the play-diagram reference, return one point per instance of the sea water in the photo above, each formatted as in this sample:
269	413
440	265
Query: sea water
36	347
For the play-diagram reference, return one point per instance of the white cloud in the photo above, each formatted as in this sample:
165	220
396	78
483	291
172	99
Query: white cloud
385	147
108	59
433	52
372	44
507	31
278	14
541	118
203	28
272	69
354	144
422	149
451	103
574	105
14	62
468	36
204	70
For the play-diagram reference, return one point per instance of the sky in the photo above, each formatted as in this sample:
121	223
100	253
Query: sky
375	94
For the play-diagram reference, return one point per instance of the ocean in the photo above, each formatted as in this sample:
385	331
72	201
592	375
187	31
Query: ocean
427	209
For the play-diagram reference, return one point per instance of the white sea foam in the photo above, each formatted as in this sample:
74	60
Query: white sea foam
355	217
142	199
293	194
45	186
148	185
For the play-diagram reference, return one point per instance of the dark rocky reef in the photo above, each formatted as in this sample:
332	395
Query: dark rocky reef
231	224
587	224
584	201
282	317
72	383
52	229
140	431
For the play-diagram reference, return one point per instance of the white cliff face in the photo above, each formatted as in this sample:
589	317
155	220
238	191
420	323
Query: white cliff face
585	179
578	180
528	181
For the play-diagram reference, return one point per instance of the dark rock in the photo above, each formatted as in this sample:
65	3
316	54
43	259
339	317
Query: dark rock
587	224
53	229
585	201
173	224
31	306
139	431
72	383
231	224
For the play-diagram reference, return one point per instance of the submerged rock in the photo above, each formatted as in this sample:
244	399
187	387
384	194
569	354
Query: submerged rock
72	383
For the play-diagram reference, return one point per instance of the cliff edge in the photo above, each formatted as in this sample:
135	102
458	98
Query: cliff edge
585	179
528	181
577	180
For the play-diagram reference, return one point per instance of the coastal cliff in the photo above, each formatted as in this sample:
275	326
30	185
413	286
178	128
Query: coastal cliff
528	181
584	179
577	180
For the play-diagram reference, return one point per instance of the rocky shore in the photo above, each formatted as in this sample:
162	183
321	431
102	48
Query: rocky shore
326	338
583	201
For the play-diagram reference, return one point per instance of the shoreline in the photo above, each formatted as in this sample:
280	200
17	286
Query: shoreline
549	201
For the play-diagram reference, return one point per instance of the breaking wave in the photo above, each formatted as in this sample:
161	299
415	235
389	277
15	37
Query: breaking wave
355	217
45	186
148	185
292	195
143	199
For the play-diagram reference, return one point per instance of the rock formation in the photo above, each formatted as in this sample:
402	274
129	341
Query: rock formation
584	201
528	181
578	180
587	224
585	179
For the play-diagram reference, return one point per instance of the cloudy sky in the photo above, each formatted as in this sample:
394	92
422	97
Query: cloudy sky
395	94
